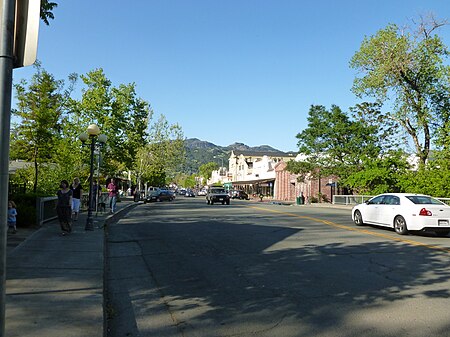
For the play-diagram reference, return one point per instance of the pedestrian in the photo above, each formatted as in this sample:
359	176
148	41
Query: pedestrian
77	191
112	190
12	213
97	191
64	207
302	199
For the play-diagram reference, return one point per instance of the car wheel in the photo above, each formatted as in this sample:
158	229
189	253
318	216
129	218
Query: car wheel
207	202
228	202
212	202
223	202
358	218
400	225
442	233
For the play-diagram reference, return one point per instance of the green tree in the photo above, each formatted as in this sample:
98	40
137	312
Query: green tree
40	108
121	115
334	144
164	154
47	8
407	71
206	170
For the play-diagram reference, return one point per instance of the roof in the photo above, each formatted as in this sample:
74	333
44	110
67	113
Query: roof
249	153
15	165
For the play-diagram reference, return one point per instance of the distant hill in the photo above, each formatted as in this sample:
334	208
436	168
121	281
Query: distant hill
199	152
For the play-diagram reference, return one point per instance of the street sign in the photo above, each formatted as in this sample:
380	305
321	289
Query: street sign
26	32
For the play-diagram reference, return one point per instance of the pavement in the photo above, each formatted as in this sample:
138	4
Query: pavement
54	283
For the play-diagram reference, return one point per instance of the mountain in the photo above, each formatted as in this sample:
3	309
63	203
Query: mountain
199	152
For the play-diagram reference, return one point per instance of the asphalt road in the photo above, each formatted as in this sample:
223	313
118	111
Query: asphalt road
184	268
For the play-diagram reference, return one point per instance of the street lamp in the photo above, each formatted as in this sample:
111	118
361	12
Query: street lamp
96	139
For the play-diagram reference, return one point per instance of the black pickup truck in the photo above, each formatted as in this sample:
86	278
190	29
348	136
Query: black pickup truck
217	194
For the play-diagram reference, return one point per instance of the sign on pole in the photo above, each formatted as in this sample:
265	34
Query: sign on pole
26	32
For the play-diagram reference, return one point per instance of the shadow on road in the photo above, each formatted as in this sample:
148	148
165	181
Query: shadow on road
244	276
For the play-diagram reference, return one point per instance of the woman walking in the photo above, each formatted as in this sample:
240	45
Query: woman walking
77	191
64	207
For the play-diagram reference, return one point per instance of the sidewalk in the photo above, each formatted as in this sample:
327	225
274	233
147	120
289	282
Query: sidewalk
54	283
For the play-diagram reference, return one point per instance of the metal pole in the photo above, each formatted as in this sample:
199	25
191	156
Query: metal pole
6	67
89	221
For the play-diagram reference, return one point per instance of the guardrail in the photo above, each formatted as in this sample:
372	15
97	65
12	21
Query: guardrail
359	199
350	199
45	209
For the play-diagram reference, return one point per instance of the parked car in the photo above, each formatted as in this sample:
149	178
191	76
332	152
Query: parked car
202	192
161	195
237	194
404	212
189	193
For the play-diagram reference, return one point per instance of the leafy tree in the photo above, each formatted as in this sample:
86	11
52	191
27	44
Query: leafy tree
164	154
40	107
334	144
380	175
410	68
120	114
205	170
46	10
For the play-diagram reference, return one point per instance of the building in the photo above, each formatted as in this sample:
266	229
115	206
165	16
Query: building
254	172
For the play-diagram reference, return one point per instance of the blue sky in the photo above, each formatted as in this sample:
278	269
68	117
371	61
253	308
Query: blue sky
226	70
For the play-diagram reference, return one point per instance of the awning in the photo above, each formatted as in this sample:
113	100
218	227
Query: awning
254	182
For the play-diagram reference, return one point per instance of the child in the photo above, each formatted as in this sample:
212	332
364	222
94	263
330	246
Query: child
12	213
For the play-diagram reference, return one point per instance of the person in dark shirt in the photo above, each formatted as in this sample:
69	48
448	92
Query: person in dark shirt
77	191
64	207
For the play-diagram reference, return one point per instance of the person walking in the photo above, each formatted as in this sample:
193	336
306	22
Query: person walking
77	191
112	190
12	213
64	207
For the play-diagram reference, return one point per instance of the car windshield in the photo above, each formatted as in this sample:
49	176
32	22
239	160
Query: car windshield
217	190
424	200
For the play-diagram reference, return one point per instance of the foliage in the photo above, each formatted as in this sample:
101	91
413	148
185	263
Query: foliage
40	107
433	180
206	170
120	114
334	144
164	155
380	175
26	208
46	10
410	68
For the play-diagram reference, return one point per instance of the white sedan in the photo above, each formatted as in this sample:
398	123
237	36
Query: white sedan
403	212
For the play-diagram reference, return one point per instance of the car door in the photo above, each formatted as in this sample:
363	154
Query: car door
371	213
388	210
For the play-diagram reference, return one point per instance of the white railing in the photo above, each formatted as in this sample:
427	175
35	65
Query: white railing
359	199
350	199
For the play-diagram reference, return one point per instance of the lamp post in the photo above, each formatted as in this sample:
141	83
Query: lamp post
93	133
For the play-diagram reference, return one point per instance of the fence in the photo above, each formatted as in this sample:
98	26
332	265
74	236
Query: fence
45	209
350	199
359	199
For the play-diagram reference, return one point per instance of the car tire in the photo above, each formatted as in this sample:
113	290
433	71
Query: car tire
442	234
207	202
223	202
400	225
358	218
212	202
228	202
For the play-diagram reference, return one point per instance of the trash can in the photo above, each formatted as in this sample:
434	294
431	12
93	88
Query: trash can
299	200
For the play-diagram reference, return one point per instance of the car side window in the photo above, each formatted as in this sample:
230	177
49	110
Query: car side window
376	201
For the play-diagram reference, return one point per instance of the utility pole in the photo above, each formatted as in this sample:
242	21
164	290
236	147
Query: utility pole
6	68
19	29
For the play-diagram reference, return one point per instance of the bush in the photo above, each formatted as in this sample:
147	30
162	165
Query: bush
26	209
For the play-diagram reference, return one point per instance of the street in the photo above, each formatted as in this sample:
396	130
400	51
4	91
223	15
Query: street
184	268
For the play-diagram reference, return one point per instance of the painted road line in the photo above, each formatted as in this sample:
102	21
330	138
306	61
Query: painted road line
355	229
